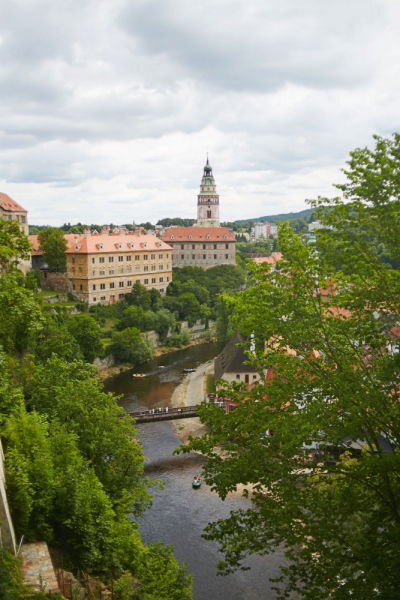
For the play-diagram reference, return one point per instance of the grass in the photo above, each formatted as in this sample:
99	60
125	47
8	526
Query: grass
45	293
210	384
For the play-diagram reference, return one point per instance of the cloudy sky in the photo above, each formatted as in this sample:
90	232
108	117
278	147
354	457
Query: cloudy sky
108	108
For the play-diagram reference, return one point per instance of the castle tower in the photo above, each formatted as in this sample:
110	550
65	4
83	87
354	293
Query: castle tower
208	200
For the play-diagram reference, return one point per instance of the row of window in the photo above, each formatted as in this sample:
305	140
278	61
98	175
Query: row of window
203	256
201	246
111	271
128	257
20	218
121	284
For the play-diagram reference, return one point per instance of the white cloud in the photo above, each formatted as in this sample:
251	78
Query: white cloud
107	108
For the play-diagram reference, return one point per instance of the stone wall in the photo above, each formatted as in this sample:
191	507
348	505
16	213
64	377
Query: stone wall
55	281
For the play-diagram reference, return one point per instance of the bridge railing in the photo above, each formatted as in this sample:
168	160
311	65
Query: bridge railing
163	411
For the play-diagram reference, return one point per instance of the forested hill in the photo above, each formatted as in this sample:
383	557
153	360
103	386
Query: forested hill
302	214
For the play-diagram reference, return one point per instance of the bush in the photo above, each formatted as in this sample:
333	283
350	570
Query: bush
177	340
128	346
82	306
107	332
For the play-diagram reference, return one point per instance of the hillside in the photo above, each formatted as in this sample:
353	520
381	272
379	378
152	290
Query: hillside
281	217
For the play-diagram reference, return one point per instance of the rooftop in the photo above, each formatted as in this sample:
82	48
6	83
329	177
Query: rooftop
7	203
198	234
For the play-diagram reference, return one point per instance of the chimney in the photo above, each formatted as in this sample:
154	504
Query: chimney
105	230
138	231
86	232
76	240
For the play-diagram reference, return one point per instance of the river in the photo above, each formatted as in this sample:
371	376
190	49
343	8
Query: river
179	513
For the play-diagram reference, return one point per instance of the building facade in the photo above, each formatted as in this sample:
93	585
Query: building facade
12	211
264	230
103	267
201	246
208	200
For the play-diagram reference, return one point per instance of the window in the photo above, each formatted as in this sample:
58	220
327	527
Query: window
121	284
208	236
102	272
102	286
73	286
73	260
153	280
129	284
17	217
226	246
167	256
193	246
204	246
120	259
160	256
226	255
153	267
22	219
237	376
160	267
167	278
94	287
81	287
153	257
94	298
209	214
111	271
137	256
129	269
161	280
145	268
112	285
102	297
145	257
93	272
215	257
182	246
93	260
121	270
182	256
121	295
110	259
204	257
101	259
167	267
162	290
146	282
254	376
129	258
193	256
137	269
215	246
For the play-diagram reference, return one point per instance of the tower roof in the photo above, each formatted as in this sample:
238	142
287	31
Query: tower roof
207	168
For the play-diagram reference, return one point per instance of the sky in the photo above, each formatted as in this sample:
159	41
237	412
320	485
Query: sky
108	108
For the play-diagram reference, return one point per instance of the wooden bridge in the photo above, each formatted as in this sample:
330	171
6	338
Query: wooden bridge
164	414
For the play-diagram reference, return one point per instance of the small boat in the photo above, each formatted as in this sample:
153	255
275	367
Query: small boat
196	483
189	370
138	375
161	366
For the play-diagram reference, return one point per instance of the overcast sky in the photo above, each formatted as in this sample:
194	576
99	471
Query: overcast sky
108	108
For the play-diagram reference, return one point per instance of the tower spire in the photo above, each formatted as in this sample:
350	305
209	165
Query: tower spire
208	200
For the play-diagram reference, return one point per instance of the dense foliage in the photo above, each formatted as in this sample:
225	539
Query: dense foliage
318	438
74	468
54	245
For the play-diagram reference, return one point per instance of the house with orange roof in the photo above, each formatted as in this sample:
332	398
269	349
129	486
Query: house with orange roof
201	246
103	267
12	211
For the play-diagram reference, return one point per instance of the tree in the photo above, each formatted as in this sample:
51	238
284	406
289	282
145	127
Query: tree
22	316
11	577
190	307
87	334
14	245
139	296
128	346
318	439
165	323
54	246
55	338
161	575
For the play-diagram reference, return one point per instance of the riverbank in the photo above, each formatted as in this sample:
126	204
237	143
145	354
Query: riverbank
109	371
192	391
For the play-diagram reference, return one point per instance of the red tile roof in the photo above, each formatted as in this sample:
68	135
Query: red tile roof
34	240
198	234
109	243
7	203
265	259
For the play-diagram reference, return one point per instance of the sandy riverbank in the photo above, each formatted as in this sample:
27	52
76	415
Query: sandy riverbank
192	391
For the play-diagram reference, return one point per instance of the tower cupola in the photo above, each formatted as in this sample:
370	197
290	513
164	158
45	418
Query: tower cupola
208	200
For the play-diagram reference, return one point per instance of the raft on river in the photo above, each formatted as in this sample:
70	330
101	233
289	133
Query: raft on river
136	375
196	483
189	370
